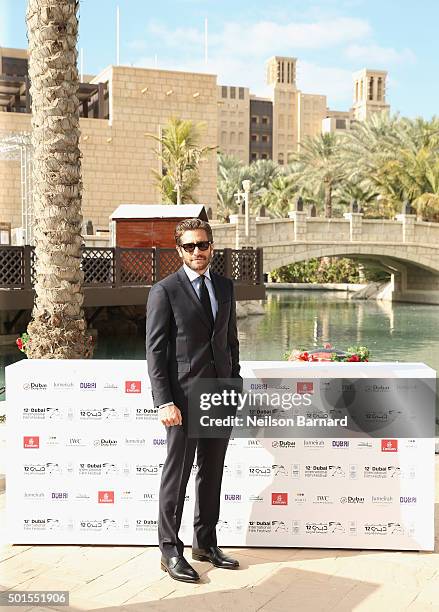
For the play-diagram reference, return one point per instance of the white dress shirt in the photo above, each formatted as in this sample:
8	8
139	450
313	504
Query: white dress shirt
195	280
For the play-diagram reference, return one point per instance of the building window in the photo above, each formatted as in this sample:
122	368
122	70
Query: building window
233	93
254	138
264	156
340	124
254	119
232	137
241	93
265	138
380	89
265	120
224	91
241	138
224	137
371	88
254	156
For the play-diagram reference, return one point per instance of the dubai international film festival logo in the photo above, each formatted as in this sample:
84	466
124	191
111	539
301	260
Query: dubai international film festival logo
303	387
389	446
133	386
31	442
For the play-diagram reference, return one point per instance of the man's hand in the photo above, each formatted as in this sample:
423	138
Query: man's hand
170	415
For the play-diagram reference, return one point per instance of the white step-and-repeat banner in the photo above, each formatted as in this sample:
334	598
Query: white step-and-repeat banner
85	454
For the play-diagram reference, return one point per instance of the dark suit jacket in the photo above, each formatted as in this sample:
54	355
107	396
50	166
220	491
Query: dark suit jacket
179	347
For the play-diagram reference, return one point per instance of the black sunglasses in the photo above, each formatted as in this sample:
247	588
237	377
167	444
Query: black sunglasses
189	247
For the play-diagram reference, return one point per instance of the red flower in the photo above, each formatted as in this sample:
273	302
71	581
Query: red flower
354	358
304	356
19	343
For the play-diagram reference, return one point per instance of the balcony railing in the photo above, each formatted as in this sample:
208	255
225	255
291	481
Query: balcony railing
128	267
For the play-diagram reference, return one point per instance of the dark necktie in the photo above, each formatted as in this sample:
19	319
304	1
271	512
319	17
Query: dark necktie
205	300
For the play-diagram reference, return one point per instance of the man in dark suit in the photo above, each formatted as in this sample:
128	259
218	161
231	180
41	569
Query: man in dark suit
191	334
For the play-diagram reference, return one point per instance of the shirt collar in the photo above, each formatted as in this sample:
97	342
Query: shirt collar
192	275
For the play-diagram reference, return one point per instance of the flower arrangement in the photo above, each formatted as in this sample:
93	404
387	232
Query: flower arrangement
329	353
22	342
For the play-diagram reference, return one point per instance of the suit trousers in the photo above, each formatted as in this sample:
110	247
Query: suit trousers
211	453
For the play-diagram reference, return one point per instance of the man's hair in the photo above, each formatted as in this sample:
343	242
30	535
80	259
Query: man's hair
192	224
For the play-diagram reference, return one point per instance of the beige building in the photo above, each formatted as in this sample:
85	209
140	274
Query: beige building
369	93
117	154
233	121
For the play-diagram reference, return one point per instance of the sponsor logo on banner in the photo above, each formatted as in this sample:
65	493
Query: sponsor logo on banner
53	441
91	469
149	496
159	442
378	529
34	413
365	444
410	443
31	441
105	442
405	499
97	525
58	495
110	386
382	500
146	525
283	444
377	388
34	495
235	470
259	526
151	469
279	470
322	499
135	441
352	528
323	527
279	499
353	471
314	444
262	471
253	443
133	386
340	444
255	498
82	496
87	385
279	527
296	527
232	497
389	446
109	413
351	499
316	471
63	386
92	414
146	414
106	497
375	471
336	471
303	387
35	386
295	470
75	442
299	497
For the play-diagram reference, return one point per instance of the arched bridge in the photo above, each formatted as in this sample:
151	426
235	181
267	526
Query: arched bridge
407	248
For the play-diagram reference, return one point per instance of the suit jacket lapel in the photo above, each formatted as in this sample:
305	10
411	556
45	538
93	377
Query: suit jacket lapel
216	281
190	291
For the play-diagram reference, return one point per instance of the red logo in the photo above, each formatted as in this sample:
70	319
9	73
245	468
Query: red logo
31	442
106	497
389	446
133	386
279	499
305	387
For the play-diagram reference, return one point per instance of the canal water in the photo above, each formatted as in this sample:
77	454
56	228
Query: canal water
305	319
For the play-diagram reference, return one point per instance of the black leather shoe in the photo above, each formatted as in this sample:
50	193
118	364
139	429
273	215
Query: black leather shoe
179	569
214	555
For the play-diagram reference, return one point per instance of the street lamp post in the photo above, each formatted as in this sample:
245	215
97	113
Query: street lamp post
246	186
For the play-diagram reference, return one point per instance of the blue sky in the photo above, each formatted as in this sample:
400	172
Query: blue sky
330	38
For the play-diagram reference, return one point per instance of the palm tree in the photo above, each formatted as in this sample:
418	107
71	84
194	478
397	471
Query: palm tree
318	165
231	173
180	154
57	329
278	197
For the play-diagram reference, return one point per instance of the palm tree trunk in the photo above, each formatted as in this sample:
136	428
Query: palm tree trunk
57	329
328	200
178	190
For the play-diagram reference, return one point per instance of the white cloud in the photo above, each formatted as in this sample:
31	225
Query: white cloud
379	56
